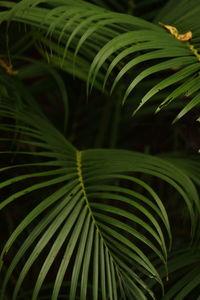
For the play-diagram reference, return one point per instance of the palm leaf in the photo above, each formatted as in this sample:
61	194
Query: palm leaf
184	271
70	30
96	218
184	15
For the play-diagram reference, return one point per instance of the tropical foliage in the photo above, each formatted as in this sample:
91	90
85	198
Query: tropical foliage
99	195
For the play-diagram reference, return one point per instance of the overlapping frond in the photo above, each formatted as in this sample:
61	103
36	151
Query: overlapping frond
184	274
183	14
97	45
95	220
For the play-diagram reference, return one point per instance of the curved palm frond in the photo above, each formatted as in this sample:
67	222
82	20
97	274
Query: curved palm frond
191	166
73	34
184	274
97	219
16	90
183	14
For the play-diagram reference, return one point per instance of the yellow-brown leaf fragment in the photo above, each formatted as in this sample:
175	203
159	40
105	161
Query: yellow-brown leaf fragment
185	37
175	68
174	31
8	68
171	29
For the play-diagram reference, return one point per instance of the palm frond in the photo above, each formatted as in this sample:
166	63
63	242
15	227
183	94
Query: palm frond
73	34
183	15
191	166
184	274
96	219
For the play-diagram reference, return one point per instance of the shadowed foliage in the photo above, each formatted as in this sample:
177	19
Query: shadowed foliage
99	109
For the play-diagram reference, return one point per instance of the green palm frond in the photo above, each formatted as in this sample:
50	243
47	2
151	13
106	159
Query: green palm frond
184	274
99	223
191	166
95	219
17	92
94	43
183	14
